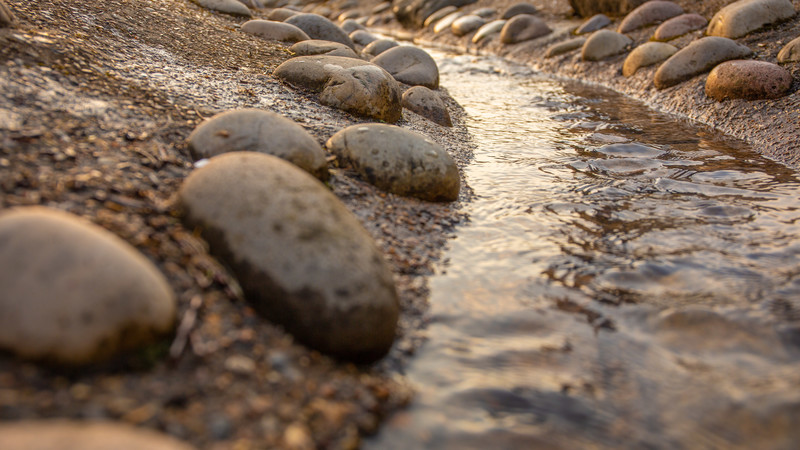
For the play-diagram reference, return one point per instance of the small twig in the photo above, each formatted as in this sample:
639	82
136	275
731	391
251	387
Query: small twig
185	328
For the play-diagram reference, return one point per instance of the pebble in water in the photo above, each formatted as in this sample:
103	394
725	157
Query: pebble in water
523	27
73	293
232	7
303	260
427	104
654	11
646	55
279	31
318	27
320	47
487	30
467	24
631	150
790	52
740	18
678	26
750	80
604	44
698	57
260	131
410	65
398	161
85	435
594	23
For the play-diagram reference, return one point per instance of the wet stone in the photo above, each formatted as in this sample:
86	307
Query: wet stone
427	104
398	161
750	80
646	55
409	65
281	14
467	24
351	25
594	23
320	47
302	259
446	22
523	27
363	37
279	31
232	7
564	47
255	130
318	27
487	30
375	48
740	18
517	9
84	435
678	26
7	17
73	293
349	84
698	57
439	15
604	44
654	11
790	52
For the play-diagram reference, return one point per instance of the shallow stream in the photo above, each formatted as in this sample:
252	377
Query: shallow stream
625	279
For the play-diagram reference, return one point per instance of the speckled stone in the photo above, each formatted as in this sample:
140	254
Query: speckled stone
256	130
279	31
301	257
84	435
740	18
281	14
487	30
375	48
427	104
750	80
517	9
399	161
790	52
564	47
320	47
231	7
654	11
523	27
73	293
446	22
318	27
439	15
678	26
604	44
698	57
467	24
594	23
647	54
410	65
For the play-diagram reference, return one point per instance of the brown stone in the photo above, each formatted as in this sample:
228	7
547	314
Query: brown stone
750	80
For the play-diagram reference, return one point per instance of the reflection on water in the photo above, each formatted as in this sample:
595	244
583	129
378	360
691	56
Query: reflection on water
626	279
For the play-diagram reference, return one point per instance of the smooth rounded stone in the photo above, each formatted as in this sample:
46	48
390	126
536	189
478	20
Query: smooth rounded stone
654	11
7	17
279	31
740	18
348	15
302	259
252	4
412	13
439	15
256	130
447	22
281	14
604	44
232	7
564	47
375	48
349	84
318	27
410	65
73	293
351	25
631	150
647	54
399	161
698	57
594	23
587	8
427	104
320	47
523	27
487	30
485	13
678	26
517	9
84	435
790	52
363	37
750	80
467	24
321	10
381	8
624	166
382	19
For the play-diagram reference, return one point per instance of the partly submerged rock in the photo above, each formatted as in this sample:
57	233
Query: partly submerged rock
318	27
399	161
678	26
790	52
427	104
320	47
523	27
646	55
256	130
698	57
594	23
232	7
410	65
303	260
564	47
279	31
604	44
654	11
750	80
740	18
73	293
84	435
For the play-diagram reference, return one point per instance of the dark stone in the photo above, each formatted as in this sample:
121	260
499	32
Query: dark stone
412	13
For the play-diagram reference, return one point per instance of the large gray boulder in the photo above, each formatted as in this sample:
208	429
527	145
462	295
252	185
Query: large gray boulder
84	435
412	13
302	259
410	65
647	54
588	8
231	7
698	57
399	161
654	11
749	80
320	47
255	130
279	31
427	104
740	18
604	44
73	293
523	27
318	27
349	84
